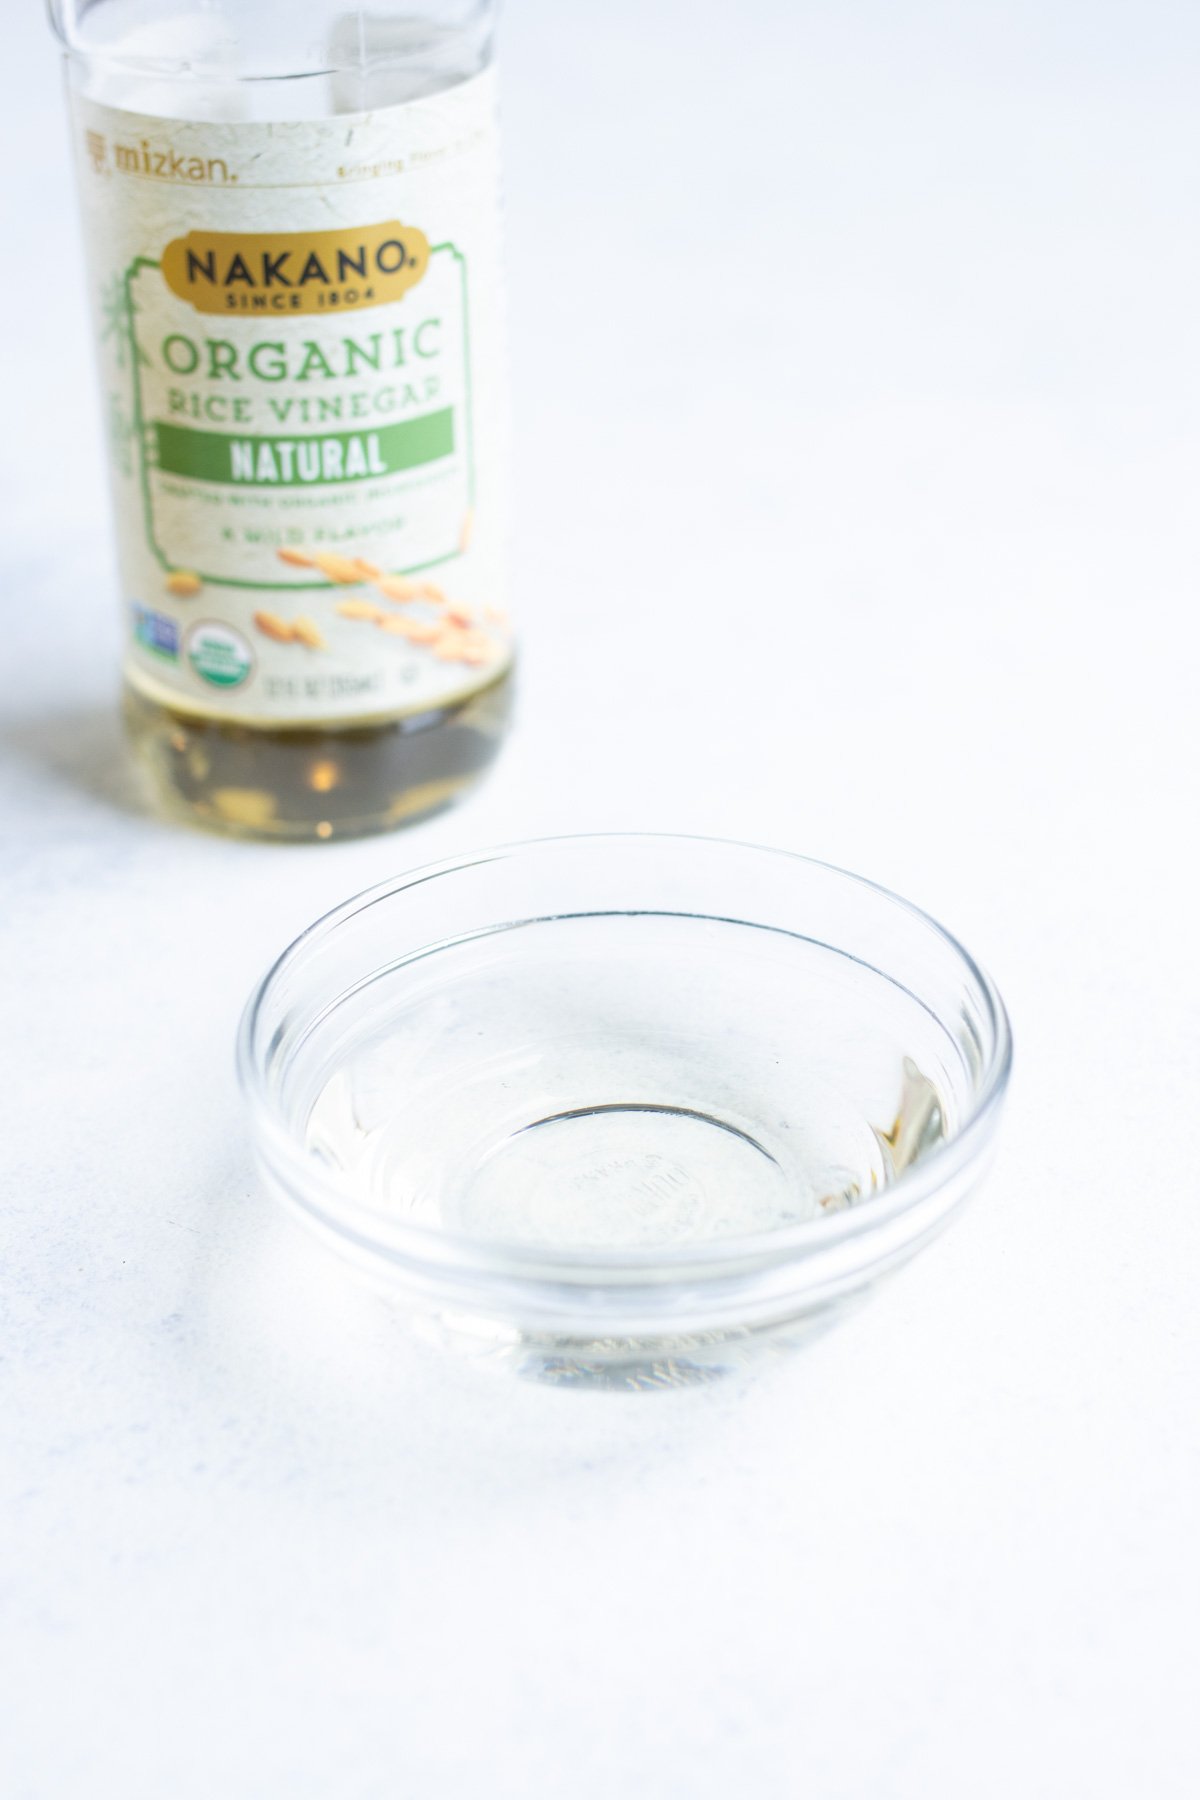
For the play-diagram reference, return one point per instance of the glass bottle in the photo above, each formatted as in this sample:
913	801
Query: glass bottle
292	221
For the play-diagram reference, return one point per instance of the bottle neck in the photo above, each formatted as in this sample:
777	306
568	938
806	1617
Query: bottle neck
269	59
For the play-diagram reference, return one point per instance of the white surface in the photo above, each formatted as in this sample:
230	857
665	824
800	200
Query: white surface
856	384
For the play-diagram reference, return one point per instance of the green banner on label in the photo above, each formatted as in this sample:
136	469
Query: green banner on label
304	461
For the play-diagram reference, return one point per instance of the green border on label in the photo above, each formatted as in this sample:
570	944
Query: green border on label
145	430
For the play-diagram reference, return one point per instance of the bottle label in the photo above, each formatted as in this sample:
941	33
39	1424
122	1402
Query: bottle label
300	359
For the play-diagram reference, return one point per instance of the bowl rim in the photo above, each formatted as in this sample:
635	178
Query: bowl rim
430	1246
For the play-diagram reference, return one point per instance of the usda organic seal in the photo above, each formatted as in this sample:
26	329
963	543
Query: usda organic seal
219	654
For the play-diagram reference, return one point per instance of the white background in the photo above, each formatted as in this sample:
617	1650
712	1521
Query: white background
855	352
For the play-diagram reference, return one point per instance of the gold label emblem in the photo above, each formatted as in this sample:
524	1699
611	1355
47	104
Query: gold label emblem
295	271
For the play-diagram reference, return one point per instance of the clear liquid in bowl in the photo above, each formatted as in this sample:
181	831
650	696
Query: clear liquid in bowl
625	1081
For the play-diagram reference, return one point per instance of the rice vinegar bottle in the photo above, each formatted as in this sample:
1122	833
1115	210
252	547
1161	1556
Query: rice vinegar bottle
292	220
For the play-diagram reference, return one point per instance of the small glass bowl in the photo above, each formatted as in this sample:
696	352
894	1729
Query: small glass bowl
620	1110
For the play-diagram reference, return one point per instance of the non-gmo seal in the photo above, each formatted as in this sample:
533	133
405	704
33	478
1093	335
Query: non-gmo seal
219	654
